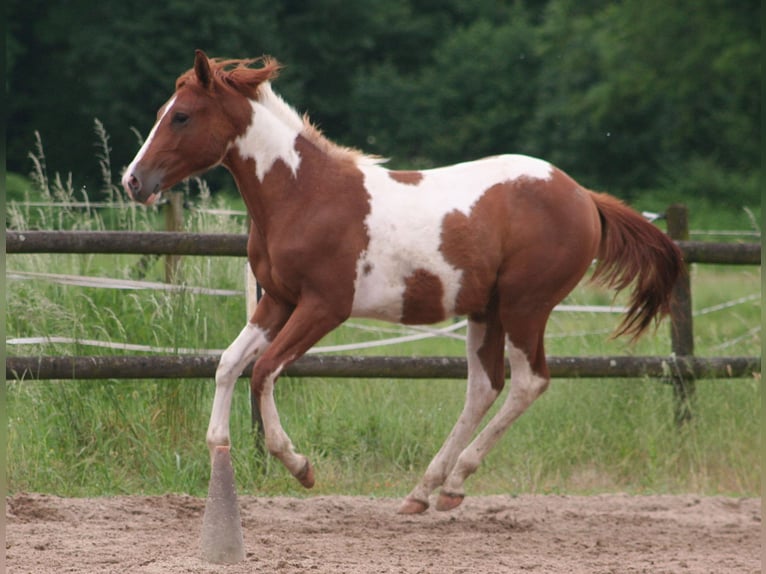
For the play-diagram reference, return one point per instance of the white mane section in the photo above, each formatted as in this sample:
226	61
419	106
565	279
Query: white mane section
286	114
281	109
405	226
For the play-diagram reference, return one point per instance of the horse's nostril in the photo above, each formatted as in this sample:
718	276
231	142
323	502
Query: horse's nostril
134	184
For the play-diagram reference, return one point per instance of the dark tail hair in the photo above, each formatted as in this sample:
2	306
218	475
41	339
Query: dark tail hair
632	249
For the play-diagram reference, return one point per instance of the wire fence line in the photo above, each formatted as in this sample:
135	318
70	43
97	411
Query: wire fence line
651	216
109	283
128	284
415	332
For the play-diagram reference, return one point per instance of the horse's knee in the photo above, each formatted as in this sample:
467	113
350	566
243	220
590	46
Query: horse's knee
230	366
248	345
225	374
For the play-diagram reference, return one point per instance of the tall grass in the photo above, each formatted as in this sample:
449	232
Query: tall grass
367	437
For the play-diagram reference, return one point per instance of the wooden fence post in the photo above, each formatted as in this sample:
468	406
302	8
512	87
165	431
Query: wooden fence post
681	330
174	221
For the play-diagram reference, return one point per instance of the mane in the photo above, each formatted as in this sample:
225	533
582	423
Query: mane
255	83
238	74
287	114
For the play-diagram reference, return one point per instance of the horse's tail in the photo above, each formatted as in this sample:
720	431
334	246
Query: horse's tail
633	249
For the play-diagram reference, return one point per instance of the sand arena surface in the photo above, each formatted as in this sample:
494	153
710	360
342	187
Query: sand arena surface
345	534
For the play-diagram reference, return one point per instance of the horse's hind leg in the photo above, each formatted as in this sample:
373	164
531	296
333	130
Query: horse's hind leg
486	373
529	379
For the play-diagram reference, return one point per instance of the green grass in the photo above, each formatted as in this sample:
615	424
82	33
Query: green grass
376	438
364	437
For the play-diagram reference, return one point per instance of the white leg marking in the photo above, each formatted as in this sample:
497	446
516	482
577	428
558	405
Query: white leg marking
249	344
525	388
479	397
277	441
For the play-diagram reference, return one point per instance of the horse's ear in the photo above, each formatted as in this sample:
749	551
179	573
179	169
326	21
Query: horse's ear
202	68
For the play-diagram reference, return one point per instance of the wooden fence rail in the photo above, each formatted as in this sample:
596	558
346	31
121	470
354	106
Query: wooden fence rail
235	245
371	367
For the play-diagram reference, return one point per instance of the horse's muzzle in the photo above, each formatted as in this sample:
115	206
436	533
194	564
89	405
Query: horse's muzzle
139	191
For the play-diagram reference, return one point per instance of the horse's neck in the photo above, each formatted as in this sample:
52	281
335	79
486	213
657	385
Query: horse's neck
284	165
265	162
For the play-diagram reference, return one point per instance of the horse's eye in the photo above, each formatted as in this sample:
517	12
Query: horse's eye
180	118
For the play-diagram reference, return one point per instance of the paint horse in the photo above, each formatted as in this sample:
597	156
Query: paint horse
333	234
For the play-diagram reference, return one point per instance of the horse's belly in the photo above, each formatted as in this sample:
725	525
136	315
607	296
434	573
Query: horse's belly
405	291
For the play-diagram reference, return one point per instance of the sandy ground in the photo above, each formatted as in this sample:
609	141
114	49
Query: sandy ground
337	534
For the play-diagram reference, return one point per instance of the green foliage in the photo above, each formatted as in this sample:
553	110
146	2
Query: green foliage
117	61
626	96
18	188
640	89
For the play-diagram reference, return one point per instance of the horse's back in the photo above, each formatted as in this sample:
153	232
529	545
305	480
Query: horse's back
440	240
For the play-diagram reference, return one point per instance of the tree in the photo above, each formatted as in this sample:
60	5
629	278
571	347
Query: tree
115	61
625	96
641	91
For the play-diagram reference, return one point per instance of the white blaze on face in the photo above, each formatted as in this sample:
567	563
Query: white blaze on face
147	142
405	225
268	139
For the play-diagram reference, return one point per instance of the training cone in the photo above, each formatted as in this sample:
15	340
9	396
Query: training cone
221	526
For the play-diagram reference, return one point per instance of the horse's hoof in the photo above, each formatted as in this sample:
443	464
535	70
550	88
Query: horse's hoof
306	475
448	501
412	506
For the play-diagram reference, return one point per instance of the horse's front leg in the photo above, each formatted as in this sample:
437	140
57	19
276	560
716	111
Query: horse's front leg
253	340
309	322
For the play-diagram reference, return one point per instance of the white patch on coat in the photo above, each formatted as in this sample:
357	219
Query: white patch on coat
405	226
269	138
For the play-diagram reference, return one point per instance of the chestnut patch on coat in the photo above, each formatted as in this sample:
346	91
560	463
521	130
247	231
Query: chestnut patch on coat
474	244
406	177
286	259
492	350
422	300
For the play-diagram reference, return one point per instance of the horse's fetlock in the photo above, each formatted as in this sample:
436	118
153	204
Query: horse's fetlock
277	446
468	463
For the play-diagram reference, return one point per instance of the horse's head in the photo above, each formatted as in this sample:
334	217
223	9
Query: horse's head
197	125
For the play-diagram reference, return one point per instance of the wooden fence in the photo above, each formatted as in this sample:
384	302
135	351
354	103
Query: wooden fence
681	367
